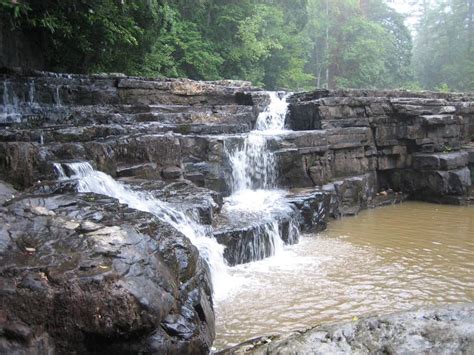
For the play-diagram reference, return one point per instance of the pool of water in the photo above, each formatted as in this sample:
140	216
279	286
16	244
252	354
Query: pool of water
384	260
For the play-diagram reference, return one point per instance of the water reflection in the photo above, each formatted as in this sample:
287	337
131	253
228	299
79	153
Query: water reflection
383	260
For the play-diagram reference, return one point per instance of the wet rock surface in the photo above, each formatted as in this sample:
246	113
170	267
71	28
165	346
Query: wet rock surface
251	236
126	125
7	192
170	129
442	330
83	273
200	203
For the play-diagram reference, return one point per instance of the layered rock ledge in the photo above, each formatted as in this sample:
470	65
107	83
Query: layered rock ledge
415	143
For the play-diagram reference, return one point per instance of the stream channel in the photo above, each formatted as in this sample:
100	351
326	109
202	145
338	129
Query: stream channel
383	260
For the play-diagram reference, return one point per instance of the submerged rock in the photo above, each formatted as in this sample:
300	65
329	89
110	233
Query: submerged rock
439	330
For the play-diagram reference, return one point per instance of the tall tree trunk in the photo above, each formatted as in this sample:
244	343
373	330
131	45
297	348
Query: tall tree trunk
364	7
327	44
317	65
471	26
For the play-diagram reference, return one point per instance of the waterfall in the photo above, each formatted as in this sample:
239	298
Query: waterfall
254	181
273	118
91	180
253	164
5	98
254	174
58	169
57	97
10	111
31	92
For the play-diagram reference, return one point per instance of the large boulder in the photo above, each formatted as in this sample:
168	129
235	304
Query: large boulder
86	274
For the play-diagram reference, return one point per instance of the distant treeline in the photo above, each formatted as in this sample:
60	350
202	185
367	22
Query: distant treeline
295	44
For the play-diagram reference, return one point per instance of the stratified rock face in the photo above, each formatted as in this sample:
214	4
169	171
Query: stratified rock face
83	273
124	125
443	330
171	129
415	143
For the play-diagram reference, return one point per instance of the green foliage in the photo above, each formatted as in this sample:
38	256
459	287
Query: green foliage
412	86
443	88
181	51
90	36
358	46
13	10
277	44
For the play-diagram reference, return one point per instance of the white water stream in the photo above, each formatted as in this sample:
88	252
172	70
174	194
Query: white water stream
253	181
10	107
254	173
253	164
91	180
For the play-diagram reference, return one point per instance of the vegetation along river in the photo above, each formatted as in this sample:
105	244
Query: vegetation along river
384	260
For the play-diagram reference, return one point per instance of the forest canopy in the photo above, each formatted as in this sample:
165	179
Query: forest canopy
297	44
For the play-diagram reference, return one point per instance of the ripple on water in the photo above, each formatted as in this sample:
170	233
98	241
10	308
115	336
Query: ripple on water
383	260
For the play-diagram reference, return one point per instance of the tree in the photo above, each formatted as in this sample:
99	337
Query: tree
443	52
273	43
358	44
90	36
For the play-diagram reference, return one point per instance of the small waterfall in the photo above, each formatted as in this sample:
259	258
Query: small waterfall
10	107
57	97
253	164
31	92
5	98
273	118
58	169
253	181
90	180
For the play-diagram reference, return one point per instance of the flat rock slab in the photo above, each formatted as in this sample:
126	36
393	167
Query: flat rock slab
440	161
440	330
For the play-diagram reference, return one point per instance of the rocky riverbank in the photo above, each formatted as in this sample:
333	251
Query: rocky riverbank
441	330
82	271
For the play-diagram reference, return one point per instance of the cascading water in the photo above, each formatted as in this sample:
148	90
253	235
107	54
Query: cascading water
254	173
90	180
57	97
10	108
273	118
254	177
253	164
31	92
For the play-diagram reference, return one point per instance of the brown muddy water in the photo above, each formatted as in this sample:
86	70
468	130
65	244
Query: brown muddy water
384	260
